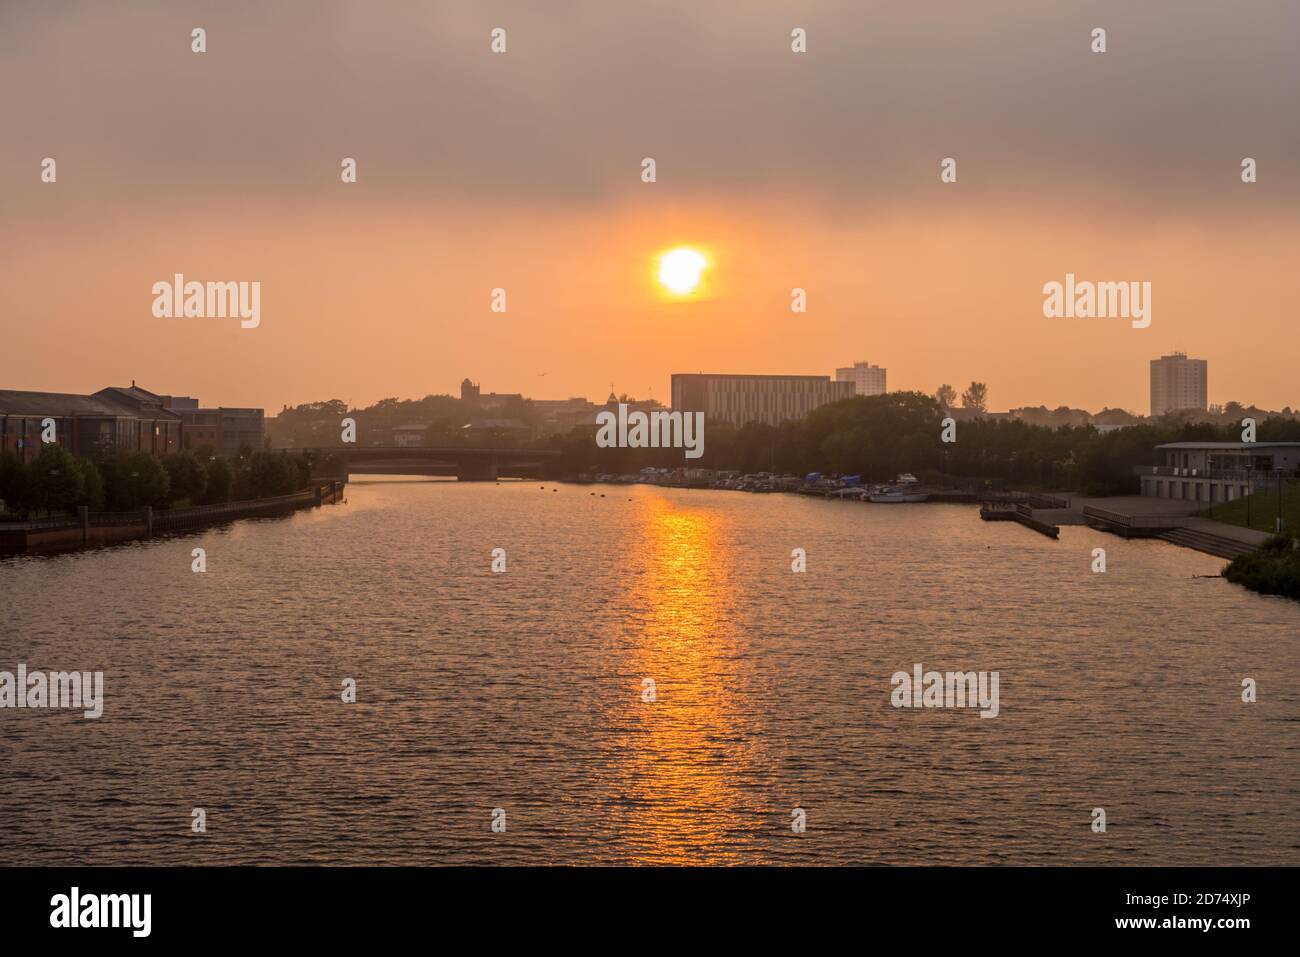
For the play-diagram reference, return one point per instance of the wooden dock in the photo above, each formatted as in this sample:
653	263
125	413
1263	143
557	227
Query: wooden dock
1017	512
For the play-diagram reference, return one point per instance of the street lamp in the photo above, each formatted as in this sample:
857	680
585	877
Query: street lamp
1250	489
1278	527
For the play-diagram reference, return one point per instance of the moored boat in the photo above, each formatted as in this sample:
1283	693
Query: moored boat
904	489
894	493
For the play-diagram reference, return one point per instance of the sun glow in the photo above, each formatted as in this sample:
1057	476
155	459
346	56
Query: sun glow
680	269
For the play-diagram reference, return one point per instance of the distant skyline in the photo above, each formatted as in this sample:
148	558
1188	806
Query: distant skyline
522	171
599	396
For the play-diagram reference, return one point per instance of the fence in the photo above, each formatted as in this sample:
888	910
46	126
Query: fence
75	531
175	518
1120	520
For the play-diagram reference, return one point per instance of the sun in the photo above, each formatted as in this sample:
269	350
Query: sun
680	269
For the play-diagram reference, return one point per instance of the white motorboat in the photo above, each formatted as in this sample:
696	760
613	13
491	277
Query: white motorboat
895	493
905	489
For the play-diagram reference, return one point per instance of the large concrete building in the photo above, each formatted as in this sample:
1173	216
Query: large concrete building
741	399
1178	382
1219	471
867	379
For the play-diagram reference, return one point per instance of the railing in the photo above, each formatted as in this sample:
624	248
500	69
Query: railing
106	519
1040	500
164	519
1129	521
178	517
40	524
1229	475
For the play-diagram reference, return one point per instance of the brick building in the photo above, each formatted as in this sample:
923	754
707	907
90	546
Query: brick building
117	418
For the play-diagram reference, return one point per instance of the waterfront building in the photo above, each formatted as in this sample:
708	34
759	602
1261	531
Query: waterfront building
1219	471
740	399
117	418
228	430
1178	382
867	379
124	418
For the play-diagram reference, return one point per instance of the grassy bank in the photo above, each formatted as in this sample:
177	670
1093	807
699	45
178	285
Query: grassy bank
1273	570
1263	506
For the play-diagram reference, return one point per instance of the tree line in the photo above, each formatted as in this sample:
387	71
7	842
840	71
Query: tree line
881	436
56	480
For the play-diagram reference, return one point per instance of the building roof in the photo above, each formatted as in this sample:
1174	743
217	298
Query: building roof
137	400
16	402
135	392
742	375
117	402
495	424
1235	446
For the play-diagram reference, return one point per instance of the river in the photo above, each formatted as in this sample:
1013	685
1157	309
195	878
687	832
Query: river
525	690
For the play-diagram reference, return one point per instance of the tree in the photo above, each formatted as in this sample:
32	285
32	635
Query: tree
220	484
976	397
136	479
187	477
270	474
93	484
302	472
946	396
15	483
57	483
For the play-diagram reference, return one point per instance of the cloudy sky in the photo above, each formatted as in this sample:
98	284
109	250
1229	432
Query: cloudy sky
522	171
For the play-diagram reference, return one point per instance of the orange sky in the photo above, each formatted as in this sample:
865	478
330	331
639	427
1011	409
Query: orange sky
523	173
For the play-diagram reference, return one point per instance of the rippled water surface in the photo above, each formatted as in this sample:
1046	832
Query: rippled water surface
523	690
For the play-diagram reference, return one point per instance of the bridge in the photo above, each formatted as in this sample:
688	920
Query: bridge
467	464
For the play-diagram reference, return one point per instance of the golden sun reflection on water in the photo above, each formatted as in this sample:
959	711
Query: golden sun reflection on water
687	755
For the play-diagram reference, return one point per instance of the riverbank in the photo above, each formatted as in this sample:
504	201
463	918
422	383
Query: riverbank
89	529
1171	520
1274	569
1129	516
1260	511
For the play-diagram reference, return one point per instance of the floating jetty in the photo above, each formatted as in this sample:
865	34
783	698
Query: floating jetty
1017	512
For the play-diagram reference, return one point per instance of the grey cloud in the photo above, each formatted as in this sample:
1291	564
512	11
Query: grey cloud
710	89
